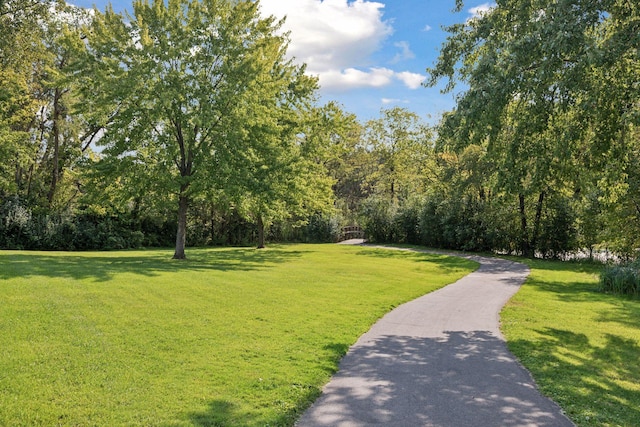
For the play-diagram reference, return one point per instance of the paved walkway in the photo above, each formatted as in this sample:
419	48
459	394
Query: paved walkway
439	360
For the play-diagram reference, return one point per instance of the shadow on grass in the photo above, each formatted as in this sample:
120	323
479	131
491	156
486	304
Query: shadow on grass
445	262
624	309
222	413
596	385
551	277
103	266
217	415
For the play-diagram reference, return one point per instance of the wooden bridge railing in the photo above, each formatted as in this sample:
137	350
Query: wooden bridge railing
351	232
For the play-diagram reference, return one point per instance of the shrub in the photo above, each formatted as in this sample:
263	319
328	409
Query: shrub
378	219
24	228
559	235
15	220
621	279
322	229
407	223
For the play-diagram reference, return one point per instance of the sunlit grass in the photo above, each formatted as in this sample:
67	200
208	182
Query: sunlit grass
582	347
228	337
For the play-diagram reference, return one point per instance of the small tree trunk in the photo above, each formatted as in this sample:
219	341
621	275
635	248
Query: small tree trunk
55	167
260	232
524	235
538	220
181	235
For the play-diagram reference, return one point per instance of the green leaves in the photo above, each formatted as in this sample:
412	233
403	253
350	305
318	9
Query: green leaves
552	94
201	94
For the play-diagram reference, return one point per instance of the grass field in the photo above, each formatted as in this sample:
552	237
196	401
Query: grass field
582	347
228	337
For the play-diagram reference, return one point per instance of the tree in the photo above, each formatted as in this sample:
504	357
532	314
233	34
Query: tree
400	144
173	81
346	158
44	137
533	101
288	178
21	49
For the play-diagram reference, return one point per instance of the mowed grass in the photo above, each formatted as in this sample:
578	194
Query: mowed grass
233	336
582	347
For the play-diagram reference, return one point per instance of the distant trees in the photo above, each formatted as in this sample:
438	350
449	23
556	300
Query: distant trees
184	122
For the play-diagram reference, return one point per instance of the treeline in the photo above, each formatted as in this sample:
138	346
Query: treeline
186	124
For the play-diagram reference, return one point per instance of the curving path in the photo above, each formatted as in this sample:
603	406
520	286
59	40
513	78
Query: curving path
439	360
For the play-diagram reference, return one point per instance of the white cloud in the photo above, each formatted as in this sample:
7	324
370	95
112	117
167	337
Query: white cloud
331	34
337	38
387	101
481	9
405	52
411	80
376	77
352	78
427	28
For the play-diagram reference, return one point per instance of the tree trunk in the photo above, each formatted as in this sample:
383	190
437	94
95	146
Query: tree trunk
260	232
538	220
181	235
55	167
524	235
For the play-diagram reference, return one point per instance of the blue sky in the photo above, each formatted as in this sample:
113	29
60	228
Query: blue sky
368	55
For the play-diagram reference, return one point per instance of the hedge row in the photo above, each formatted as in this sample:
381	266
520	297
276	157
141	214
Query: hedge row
21	228
466	224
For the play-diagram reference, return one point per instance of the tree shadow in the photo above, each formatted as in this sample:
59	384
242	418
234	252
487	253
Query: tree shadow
445	262
104	266
595	384
458	379
217	414
626	312
622	309
222	413
496	269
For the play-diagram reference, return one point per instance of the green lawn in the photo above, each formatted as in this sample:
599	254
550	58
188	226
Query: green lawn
228	337
582	347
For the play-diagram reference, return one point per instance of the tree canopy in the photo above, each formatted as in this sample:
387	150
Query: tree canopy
186	122
185	85
536	100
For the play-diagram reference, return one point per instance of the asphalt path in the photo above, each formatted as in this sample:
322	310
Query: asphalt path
439	360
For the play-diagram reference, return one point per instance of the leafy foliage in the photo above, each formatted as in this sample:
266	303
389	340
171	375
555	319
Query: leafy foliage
621	279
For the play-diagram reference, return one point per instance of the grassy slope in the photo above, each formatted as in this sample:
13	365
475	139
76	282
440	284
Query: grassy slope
582	347
229	337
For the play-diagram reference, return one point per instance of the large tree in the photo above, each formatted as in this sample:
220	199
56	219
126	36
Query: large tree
284	177
42	136
21	52
173	81
535	100
399	143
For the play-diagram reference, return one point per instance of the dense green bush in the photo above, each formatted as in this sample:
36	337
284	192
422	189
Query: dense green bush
470	223
407	223
15	220
21	228
621	279
559	234
454	224
322	229
379	219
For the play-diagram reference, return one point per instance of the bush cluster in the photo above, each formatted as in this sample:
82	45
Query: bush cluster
468	224
22	228
621	279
